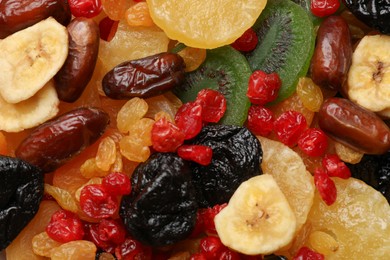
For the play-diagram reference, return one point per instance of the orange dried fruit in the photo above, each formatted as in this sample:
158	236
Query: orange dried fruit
3	144
138	15
42	244
75	250
115	9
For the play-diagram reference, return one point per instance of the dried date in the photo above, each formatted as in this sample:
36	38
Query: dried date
333	53
16	15
354	126
53	143
77	71
146	77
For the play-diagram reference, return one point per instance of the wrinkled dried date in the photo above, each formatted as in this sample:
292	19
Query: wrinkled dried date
354	126
53	143
77	71
146	77
16	15
333	53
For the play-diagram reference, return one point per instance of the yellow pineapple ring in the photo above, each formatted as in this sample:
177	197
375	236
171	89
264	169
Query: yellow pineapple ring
203	23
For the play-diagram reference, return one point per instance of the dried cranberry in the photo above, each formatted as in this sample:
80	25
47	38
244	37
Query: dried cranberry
335	167
108	28
189	119
213	105
166	137
65	226
325	186
96	202
228	254
260	120
247	41
92	234
208	215
198	153
85	8
211	247
131	249
289	127
313	142
322	8
263	88
117	183
306	253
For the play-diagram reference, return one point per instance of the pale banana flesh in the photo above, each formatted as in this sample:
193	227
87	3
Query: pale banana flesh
258	218
30	58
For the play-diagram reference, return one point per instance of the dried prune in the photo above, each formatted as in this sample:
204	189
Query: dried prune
161	208
374	13
21	192
375	171
237	155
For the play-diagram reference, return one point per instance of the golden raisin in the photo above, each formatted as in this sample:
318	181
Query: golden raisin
138	15
75	250
134	149
193	57
89	169
310	94
143	131
42	244
106	154
63	197
130	113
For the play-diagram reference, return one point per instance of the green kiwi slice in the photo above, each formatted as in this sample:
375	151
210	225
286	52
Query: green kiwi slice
227	71
286	43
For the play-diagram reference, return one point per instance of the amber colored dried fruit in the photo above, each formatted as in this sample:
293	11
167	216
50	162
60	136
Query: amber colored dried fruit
134	149
145	77
78	250
63	197
138	15
106	154
130	113
53	143
16	15
42	244
161	208
20	194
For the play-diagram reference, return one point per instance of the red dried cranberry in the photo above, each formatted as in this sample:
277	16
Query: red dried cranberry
85	8
247	42
65	226
197	153
289	127
306	253
260	120
96	202
322	8
132	249
117	183
92	234
313	142
208	215
325	186
228	254
263	88
211	247
335	167
108	28
189	119
213	105
166	137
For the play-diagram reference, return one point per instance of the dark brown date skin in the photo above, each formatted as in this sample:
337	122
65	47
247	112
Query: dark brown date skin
78	68
16	15
146	77
53	143
354	126
333	53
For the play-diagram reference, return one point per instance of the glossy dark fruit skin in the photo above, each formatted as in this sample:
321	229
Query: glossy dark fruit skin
161	208
333	53
78	68
374	13
16	15
145	77
354	126
375	171
21	192
237	156
55	142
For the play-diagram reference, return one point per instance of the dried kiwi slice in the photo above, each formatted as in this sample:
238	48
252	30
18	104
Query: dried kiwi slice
286	43
227	71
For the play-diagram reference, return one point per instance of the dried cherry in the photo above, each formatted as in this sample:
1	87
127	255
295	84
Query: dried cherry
237	156
21	192
161	208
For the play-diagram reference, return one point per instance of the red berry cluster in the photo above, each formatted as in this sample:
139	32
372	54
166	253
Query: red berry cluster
306	253
208	107
322	8
247	41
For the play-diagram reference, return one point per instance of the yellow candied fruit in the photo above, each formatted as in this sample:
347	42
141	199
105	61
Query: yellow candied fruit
131	113
138	15
310	94
193	57
42	244
106	154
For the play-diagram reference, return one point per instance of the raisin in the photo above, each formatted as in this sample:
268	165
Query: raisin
21	192
161	208
237	156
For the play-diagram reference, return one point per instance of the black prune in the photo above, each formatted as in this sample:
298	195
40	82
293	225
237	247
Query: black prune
374	13
237	155
21	192
375	171
161	208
